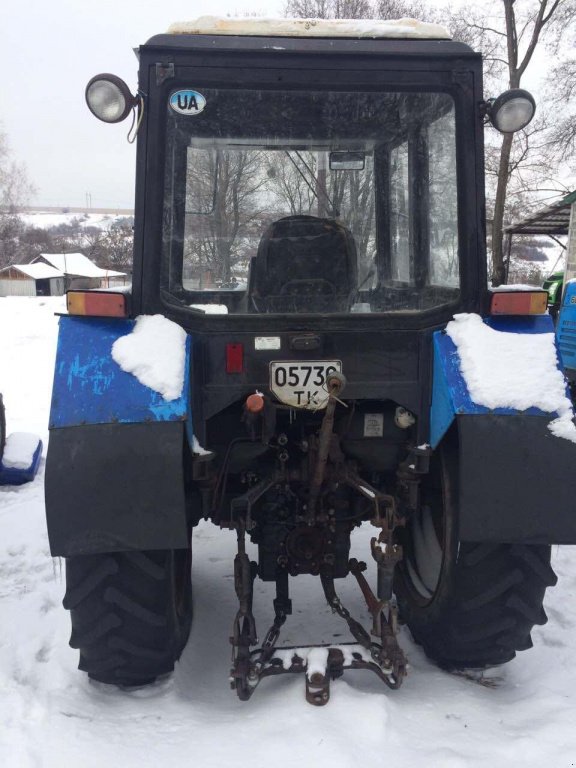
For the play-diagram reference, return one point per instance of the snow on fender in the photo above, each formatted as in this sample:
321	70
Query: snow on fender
512	370
155	353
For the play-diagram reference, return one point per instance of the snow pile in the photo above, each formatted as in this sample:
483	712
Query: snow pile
512	370
19	450
315	659
155	352
279	27
211	309
197	449
515	287
78	264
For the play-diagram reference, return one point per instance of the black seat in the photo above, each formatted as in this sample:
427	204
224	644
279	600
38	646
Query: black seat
303	264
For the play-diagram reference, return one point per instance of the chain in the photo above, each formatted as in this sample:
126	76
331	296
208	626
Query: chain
357	630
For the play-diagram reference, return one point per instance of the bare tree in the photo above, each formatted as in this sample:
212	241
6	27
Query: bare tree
359	9
15	188
561	87
230	182
508	36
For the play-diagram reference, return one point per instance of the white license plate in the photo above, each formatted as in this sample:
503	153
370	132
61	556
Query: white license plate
302	385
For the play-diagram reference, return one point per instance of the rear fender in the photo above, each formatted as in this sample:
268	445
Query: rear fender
115	461
517	481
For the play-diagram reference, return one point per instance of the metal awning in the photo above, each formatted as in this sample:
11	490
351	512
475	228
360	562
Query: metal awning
552	220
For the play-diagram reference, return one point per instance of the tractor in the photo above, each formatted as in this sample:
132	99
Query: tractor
309	217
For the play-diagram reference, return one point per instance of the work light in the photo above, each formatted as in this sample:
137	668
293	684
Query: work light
512	110
109	98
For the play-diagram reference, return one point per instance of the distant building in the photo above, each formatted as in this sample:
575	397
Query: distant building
31	280
80	272
51	274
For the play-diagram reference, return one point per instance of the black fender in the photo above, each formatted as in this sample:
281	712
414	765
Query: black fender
517	481
116	487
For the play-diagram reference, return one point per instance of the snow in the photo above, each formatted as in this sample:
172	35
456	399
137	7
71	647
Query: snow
518	287
197	449
211	309
155	352
19	450
45	220
522	714
316	659
37	271
282	27
512	370
77	264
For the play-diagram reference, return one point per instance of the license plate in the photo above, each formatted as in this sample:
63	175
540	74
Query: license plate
302	385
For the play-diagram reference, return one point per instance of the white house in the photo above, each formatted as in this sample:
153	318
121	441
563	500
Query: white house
31	280
80	272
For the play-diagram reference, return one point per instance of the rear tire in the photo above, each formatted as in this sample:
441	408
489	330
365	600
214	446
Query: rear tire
131	613
468	605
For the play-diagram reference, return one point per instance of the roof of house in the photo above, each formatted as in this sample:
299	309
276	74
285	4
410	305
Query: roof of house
78	265
552	220
35	271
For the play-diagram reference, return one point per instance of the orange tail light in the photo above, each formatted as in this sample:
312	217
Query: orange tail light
97	303
519	302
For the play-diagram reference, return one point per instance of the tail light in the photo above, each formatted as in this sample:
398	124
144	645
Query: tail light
519	302
97	303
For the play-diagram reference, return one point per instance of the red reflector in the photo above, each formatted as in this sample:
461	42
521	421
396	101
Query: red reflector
234	358
519	303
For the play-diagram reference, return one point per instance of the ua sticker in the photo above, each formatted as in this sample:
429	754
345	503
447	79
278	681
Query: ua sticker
187	102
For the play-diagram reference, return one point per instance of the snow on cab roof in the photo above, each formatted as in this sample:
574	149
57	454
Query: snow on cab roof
279	27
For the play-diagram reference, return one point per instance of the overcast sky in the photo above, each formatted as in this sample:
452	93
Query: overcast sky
49	51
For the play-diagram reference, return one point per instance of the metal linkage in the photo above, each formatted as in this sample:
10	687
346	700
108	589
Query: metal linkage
386	654
320	663
335	384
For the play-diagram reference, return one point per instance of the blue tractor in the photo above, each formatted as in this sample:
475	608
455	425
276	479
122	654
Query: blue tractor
309	218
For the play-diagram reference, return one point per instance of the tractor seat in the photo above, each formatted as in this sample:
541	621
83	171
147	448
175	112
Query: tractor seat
303	264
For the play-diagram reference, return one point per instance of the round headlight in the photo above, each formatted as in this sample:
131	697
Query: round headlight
512	110
109	98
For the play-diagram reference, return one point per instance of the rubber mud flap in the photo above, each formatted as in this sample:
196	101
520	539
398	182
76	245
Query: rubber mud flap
517	480
115	487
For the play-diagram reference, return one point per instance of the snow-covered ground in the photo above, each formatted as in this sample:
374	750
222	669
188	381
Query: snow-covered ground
47	220
50	715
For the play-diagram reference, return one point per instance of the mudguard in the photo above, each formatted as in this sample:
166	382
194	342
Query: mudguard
114	469
517	481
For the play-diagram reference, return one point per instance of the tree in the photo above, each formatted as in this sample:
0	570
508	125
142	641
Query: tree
359	9
509	38
561	87
15	188
223	206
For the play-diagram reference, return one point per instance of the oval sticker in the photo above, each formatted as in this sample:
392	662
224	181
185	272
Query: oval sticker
187	102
